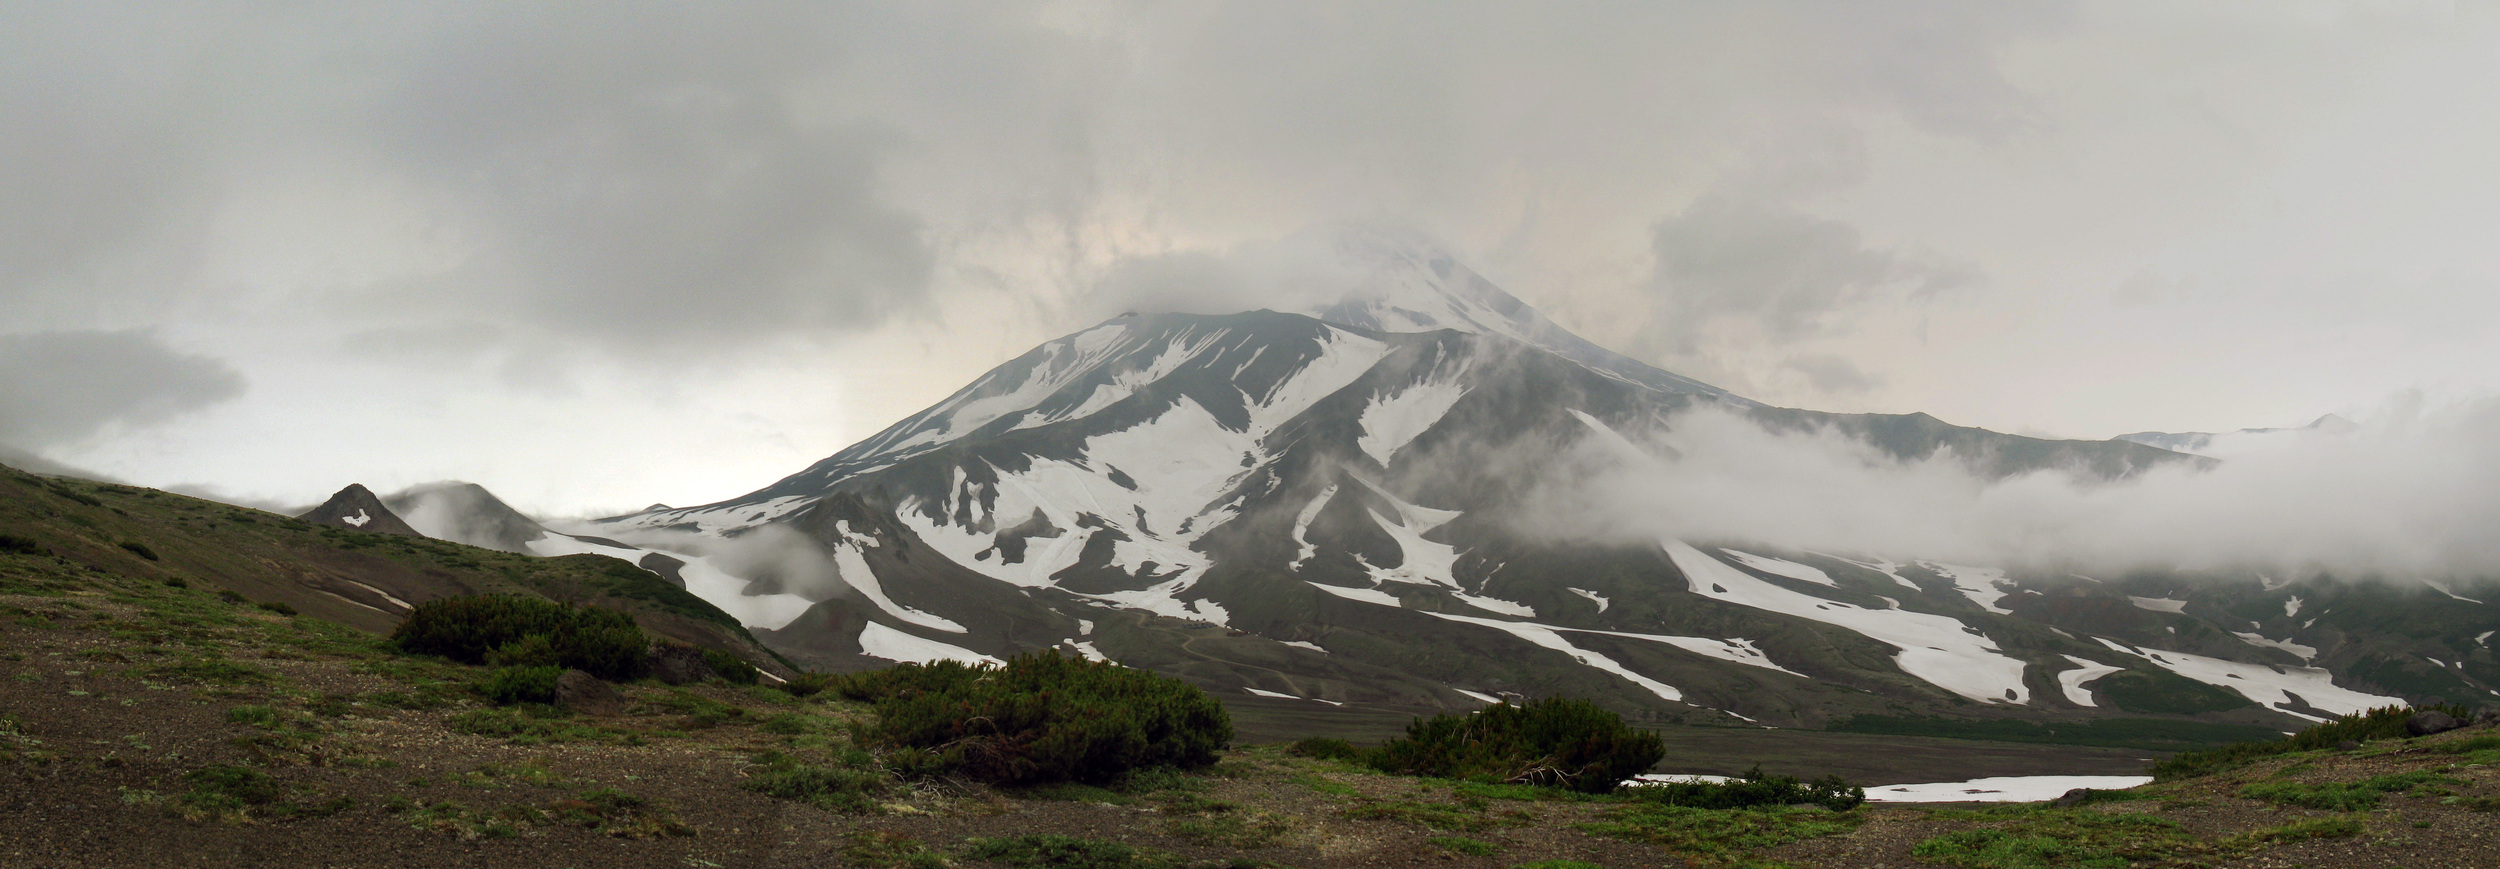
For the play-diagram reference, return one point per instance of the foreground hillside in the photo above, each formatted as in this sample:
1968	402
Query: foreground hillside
70	533
144	723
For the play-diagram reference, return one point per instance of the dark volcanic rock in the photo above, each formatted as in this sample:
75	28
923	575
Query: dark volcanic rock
583	694
356	507
2427	723
679	665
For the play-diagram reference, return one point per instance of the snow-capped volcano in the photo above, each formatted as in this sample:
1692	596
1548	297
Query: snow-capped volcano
1329	505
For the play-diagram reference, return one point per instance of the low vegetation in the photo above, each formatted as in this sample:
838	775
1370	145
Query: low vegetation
1557	741
1038	718
2386	722
514	631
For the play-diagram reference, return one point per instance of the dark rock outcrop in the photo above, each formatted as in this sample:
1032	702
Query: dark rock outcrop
2427	723
583	694
679	665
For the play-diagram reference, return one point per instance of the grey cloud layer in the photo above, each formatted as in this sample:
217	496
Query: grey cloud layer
59	388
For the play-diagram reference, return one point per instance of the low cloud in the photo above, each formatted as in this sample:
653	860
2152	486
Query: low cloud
61	388
2411	494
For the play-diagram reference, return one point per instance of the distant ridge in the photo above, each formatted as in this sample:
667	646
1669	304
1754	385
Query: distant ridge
356	507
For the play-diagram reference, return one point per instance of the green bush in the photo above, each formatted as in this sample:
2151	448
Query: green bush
11	543
1039	718
2386	722
730	667
1557	742
139	549
1751	790
808	684
509	631
511	686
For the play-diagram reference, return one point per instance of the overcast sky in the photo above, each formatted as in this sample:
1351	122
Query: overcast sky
598	255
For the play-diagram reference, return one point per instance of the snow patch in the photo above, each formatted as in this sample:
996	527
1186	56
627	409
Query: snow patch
852	566
2304	653
1937	649
1881	566
1487	698
2270	686
1391	422
1303	644
2291	607
879	641
2158	604
357	520
1593	597
1302	525
1776	567
1983	585
2087	670
2002	789
1549	638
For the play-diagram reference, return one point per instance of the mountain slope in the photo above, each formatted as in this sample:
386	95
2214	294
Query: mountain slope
360	578
1279	505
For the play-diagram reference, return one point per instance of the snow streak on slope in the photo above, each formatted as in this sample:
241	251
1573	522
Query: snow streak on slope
2073	681
1302	526
1552	639
2303	652
1939	650
1980	584
1391	422
1776	567
2267	684
853	566
1424	562
1593	597
1881	566
879	641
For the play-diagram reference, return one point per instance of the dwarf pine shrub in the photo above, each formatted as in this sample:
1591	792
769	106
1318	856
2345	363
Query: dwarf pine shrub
511	631
1039	718
1557	742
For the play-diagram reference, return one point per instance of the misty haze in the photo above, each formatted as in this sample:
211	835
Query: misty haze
1208	434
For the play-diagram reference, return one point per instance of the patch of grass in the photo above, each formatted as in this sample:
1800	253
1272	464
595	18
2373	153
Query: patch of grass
2357	796
1463	845
1558	864
1718	837
1065	852
878	849
212	671
535	772
1243	831
528	725
1326	748
851	784
605	810
2300	830
1439	816
1321	785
